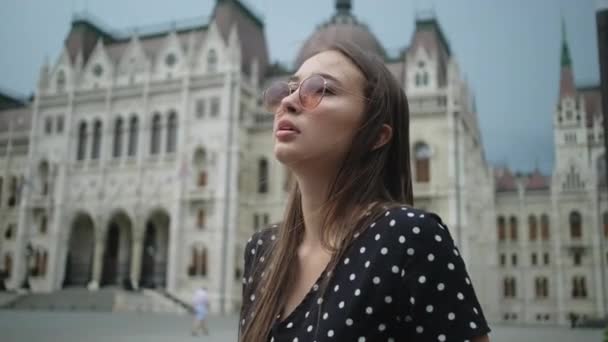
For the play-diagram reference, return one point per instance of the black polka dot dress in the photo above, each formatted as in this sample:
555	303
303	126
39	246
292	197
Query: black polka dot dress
402	279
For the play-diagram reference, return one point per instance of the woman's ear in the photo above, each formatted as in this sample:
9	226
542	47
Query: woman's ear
386	133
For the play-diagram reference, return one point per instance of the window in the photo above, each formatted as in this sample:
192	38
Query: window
211	61
546	258
133	133
82	141
575	225
509	287
202	264
534	260
503	259
604	217
12	195
579	287
513	226
155	136
262	176
533	227
266	220
200	220
43	224
544	227
541	287
256	222
60	81
1	190
60	124
502	229
422	153
215	106
96	140
200	108
202	179
514	259
172	132
9	232
170	59
48	125
8	265
577	258
117	150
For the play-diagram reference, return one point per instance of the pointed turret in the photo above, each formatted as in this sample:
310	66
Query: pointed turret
566	82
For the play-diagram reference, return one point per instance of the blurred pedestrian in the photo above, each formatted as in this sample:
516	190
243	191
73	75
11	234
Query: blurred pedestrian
201	310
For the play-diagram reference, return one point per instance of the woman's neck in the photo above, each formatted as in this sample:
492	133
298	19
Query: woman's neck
314	189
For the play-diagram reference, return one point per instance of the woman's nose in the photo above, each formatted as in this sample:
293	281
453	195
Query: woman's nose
291	103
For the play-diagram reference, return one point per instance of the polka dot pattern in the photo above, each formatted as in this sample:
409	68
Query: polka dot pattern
402	279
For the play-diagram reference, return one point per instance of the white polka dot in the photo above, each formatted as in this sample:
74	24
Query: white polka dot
388	299
361	339
416	230
473	325
362	250
451	316
330	333
346	261
392	223
455	252
408	318
357	292
356	235
377	237
309	328
421	215
451	266
460	296
272	339
369	310
475	310
367	264
410	214
307	313
290	325
422	279
295	339
438	238
390	339
466	280
252	251
402	239
349	322
315	287
262	259
384	250
387	213
429	308
419	329
376	280
441	338
372	225
412	300
260	242
336	288
395	269
381	327
341	304
252	297
440	286
431	257
352	276
319	301
273	237
325	315
410	251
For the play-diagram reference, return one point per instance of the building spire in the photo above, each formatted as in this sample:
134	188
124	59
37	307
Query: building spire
343	6
566	61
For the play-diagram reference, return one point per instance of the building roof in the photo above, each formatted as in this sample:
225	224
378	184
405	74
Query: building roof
343	26
504	180
537	181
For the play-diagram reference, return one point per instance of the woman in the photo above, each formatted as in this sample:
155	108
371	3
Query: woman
352	260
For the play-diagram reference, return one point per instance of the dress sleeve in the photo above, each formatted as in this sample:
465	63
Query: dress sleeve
439	300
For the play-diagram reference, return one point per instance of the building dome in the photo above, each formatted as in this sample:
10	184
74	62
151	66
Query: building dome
342	27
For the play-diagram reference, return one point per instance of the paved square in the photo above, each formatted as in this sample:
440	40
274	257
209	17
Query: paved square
26	326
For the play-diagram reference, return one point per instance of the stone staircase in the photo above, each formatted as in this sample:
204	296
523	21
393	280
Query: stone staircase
104	299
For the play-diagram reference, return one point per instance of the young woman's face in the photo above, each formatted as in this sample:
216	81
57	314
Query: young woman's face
320	137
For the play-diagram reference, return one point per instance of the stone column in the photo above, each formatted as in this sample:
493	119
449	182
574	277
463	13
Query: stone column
136	256
97	265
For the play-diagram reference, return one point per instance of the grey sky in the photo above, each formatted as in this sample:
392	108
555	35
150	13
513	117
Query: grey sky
509	50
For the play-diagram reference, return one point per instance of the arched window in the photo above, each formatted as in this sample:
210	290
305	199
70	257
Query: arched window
8	265
211	61
12	194
200	218
422	153
43	174
96	140
533	227
544	227
502	228
262	176
575	219
200	163
202	264
155	136
133	134
425	78
117	148
81	148
172	132
43	224
418	79
193	261
60	81
513	226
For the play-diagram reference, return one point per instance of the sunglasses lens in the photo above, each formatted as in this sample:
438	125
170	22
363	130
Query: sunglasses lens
312	90
274	95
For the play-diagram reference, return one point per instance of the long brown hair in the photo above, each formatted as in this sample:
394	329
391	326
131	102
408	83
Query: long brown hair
368	180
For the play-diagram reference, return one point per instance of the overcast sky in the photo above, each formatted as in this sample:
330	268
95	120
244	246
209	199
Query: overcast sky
508	49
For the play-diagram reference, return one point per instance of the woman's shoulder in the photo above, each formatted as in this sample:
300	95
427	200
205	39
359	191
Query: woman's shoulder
406	223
